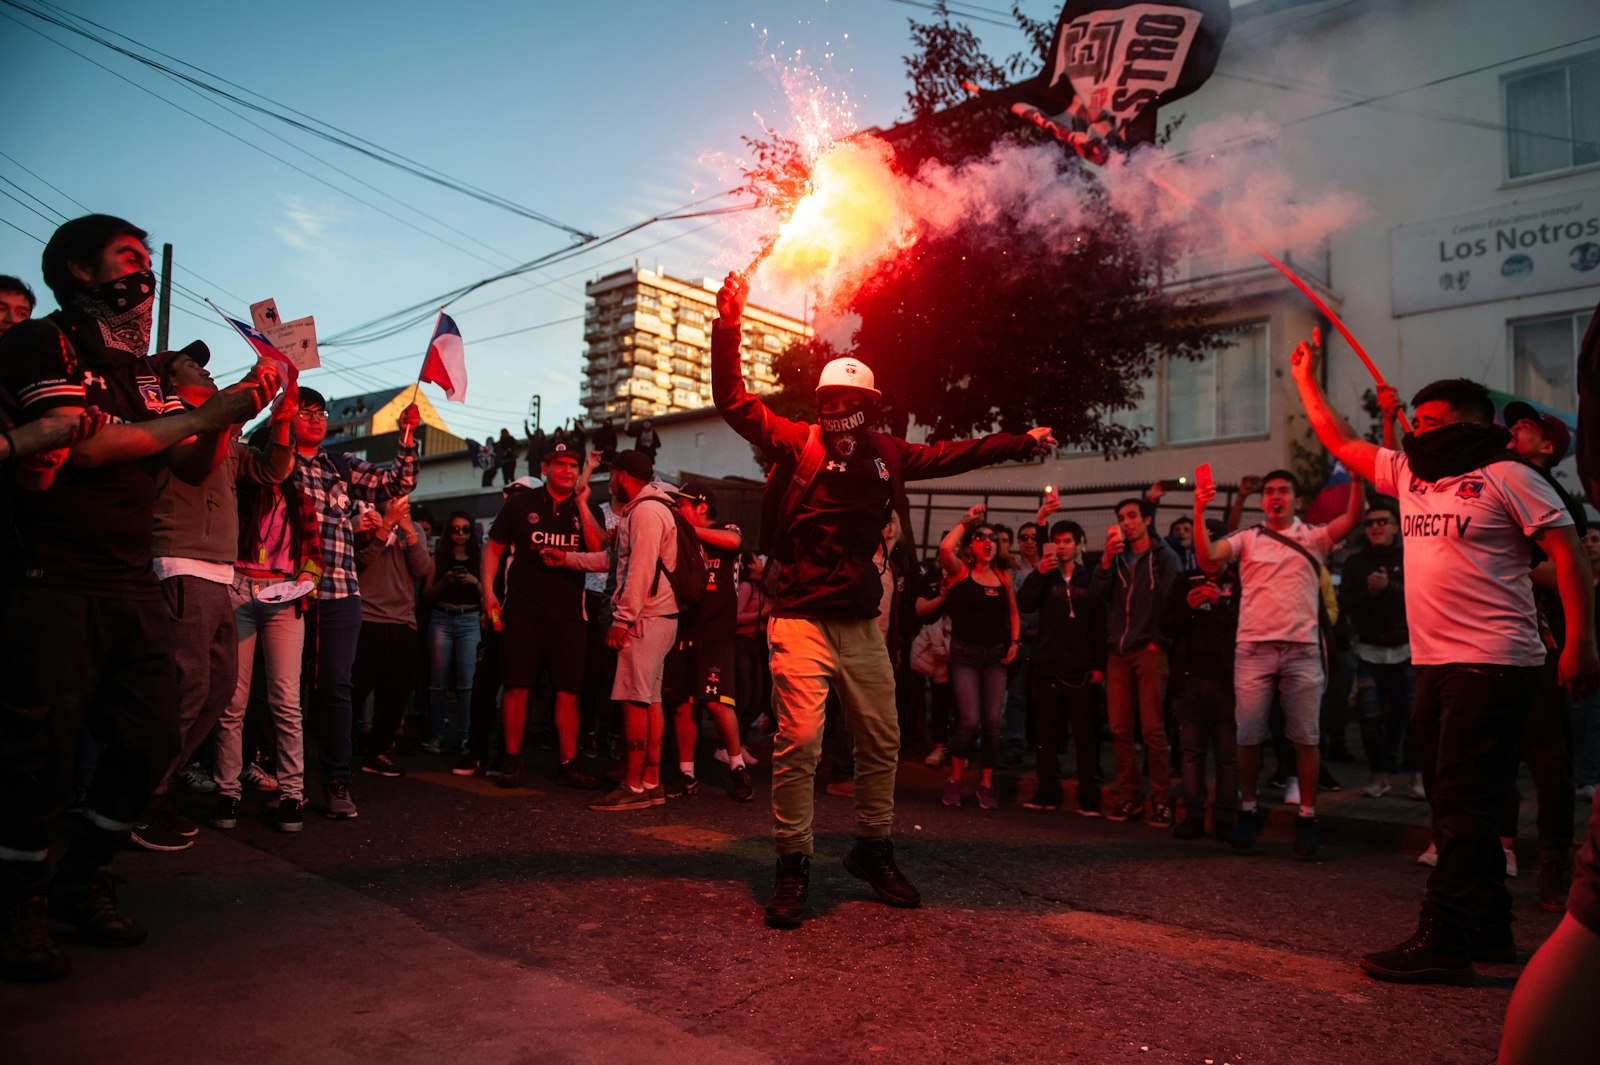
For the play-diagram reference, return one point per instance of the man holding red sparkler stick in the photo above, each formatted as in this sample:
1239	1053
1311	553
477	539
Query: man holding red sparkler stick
1470	515
832	489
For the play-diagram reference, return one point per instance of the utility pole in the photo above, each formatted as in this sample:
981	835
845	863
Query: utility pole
166	297
533	412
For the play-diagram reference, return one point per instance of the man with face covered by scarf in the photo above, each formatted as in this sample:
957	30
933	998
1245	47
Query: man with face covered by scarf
832	489
1470	516
84	633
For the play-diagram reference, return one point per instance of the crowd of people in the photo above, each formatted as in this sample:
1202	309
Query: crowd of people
501	453
187	609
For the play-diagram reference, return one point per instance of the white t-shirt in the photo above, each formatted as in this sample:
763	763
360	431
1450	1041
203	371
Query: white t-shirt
1280	588
1468	594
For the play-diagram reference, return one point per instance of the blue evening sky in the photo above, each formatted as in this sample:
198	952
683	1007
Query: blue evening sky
597	114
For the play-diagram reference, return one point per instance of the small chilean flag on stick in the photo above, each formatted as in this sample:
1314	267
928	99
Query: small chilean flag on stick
265	349
446	362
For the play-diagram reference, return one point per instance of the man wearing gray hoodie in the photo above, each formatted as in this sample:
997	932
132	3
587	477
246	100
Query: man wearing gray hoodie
1132	580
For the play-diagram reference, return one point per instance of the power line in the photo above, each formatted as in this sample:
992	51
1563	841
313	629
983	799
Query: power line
360	145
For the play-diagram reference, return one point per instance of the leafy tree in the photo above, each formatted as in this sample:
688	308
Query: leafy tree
993	323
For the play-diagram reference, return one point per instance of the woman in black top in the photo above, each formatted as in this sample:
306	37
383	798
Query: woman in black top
453	630
983	640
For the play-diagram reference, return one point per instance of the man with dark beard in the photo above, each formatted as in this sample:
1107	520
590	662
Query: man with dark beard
85	632
832	489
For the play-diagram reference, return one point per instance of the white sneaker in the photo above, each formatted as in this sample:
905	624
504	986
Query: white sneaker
1511	863
1378	788
940	755
1429	856
192	778
1291	792
749	758
1418	792
256	777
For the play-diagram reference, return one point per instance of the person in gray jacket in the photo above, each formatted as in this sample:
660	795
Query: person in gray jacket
195	541
1132	580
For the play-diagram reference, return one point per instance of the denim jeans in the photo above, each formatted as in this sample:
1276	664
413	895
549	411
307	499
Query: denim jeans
1136	687
979	680
452	654
281	631
1383	691
332	629
1291	671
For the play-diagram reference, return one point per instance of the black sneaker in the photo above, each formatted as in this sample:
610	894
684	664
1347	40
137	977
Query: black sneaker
382	765
1043	800
683	786
739	787
1222	826
1325	779
225	814
337	803
872	860
91	905
27	952
174	817
286	815
1279	780
1245	830
1190	828
1305	836
510	772
1429	957
153	832
469	766
1160	815
1127	810
571	775
787	906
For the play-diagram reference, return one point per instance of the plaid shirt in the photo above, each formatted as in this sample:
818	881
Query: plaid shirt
318	480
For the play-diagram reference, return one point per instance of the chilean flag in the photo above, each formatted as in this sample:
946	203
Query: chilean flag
1333	499
263	347
446	364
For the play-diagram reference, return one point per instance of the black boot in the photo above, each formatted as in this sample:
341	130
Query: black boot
1433	955
1492	943
787	907
27	952
92	905
872	860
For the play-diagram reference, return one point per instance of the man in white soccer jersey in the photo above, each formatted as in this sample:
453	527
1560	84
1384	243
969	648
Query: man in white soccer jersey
1470	514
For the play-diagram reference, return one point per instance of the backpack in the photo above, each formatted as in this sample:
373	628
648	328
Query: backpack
687	578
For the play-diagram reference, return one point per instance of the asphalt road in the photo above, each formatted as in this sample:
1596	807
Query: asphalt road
457	922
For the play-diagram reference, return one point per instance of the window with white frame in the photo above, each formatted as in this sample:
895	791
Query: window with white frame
1544	356
1222	394
1553	117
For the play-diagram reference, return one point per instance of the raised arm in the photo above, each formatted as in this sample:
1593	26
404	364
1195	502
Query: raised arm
746	414
950	546
1335	433
368	480
1341	527
1249	485
1210	554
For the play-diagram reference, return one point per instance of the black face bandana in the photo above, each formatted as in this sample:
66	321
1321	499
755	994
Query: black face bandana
843	433
1452	450
123	310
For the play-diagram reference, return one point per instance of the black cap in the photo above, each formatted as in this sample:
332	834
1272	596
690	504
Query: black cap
634	463
562	450
196	350
696	493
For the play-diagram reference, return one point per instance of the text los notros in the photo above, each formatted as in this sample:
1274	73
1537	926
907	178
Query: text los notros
1513	238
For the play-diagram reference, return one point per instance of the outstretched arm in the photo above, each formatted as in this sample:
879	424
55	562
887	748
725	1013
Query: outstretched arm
744	413
1334	432
1341	527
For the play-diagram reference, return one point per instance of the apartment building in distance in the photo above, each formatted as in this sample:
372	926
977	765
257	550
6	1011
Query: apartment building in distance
648	340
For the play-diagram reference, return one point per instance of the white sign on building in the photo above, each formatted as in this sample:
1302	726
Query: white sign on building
1516	249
